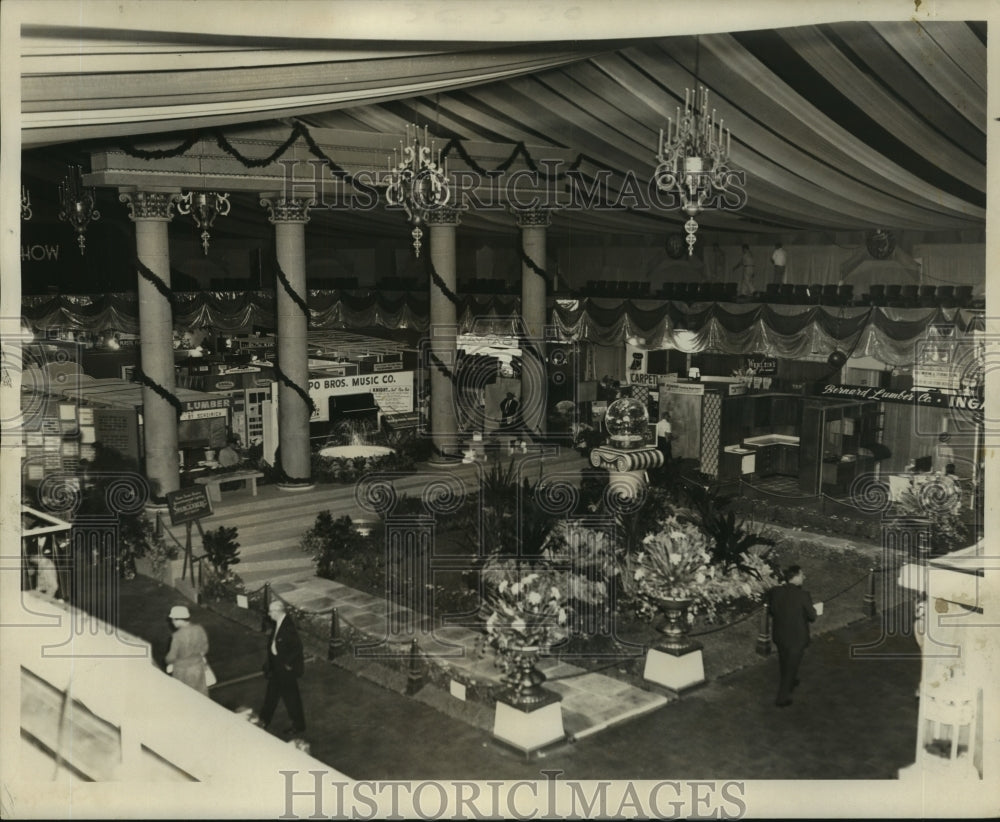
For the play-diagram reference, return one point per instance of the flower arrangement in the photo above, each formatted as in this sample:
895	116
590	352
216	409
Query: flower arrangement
674	562
527	606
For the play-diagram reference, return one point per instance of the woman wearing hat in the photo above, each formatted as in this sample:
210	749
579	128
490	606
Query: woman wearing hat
188	646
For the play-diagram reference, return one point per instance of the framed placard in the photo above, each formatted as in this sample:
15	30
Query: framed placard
188	504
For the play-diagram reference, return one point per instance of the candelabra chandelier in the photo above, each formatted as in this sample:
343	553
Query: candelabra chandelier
77	205
204	207
693	158
417	180
26	212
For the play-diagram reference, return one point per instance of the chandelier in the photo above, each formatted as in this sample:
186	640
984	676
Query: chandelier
417	180
77	205
693	158
204	207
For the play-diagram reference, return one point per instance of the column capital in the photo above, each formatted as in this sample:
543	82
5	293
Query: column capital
532	217
149	205
288	209
444	215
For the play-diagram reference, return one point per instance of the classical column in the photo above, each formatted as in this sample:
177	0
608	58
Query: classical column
443	223
534	379
289	216
150	211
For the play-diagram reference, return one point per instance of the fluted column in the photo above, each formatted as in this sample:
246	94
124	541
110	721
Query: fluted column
443	223
150	211
289	216
533	224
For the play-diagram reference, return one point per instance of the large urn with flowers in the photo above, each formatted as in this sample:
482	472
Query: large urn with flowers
527	614
672	572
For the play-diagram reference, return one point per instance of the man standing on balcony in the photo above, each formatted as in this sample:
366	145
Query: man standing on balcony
779	259
791	611
745	268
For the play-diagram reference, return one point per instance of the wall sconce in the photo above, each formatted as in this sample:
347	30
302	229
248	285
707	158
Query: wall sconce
77	205
204	207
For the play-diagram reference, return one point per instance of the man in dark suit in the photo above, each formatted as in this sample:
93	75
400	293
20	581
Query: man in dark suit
508	411
283	668
791	611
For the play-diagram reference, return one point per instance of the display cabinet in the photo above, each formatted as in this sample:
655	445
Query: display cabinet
835	439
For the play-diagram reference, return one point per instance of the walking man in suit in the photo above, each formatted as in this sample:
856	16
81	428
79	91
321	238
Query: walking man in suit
283	668
791	611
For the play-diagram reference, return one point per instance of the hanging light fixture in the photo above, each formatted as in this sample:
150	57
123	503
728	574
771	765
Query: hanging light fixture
26	212
417	180
693	156
204	207
77	205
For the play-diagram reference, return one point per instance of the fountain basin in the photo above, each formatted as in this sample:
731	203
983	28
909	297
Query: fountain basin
351	452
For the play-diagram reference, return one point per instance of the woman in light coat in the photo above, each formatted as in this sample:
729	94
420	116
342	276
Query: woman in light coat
188	646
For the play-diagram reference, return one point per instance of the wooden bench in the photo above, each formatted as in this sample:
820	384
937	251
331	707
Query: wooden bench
213	482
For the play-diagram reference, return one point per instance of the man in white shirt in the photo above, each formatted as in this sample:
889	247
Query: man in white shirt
779	259
664	433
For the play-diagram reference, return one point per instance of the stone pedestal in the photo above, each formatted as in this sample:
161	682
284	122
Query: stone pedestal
529	727
675	670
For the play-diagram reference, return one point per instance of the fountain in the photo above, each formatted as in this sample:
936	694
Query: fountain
357	445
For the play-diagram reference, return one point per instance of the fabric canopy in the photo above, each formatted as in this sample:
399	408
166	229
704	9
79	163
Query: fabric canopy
837	125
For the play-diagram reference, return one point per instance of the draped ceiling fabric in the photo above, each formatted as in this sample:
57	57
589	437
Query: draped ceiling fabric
841	126
887	334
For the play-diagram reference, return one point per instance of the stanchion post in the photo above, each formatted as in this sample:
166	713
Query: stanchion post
764	634
415	670
337	643
868	605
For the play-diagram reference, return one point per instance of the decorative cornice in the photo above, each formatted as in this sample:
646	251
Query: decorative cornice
288	209
149	205
532	217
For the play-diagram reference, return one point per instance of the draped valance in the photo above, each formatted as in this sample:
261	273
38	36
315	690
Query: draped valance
792	331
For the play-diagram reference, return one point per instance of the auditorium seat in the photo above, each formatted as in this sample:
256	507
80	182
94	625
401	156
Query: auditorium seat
829	294
845	294
800	293
876	295
772	293
926	296
963	295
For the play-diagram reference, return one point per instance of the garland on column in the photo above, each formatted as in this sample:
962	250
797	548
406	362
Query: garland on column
155	280
291	292
441	284
440	365
287	381
140	377
526	260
